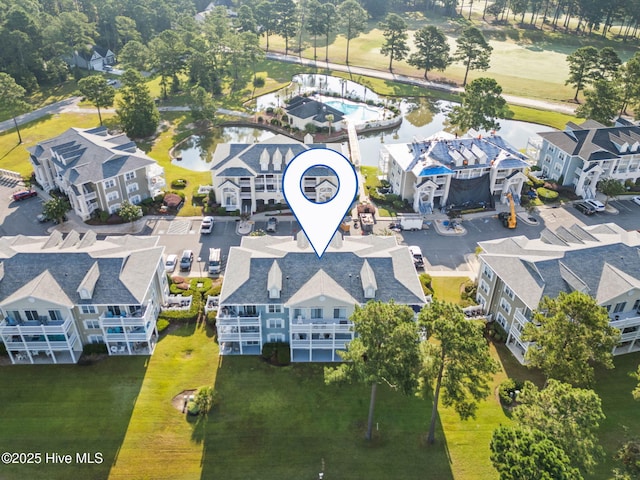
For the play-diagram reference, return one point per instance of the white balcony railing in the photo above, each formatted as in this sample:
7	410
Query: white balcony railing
36	327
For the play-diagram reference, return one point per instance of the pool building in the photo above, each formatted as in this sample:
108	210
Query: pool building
277	290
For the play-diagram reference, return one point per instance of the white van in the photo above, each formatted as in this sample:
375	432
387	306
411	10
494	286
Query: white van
214	266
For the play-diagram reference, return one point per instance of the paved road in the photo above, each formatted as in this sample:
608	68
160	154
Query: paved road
526	102
57	107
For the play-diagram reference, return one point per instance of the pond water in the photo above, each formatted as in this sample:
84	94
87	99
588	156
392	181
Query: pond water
423	118
197	150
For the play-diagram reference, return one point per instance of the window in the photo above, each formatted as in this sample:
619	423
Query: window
95	339
114	208
275	323
484	286
113	311
480	299
132	187
316	313
250	343
607	308
15	315
488	272
297	312
129	176
509	292
619	307
135	200
339	313
88	324
55	314
501	320
109	183
636	305
275	337
275	308
31	314
112	196
506	306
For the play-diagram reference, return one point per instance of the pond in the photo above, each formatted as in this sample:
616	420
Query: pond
197	150
423	118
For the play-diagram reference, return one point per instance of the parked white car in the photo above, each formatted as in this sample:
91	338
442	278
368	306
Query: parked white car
207	225
170	264
636	200
599	206
416	254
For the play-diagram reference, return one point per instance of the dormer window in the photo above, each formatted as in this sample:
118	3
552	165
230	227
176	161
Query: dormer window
264	160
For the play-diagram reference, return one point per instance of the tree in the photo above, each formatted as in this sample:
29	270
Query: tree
571	334
630	81
245	21
583	64
636	391
629	456
286	23
138	113
473	51
129	212
328	21
385	350
519	453
570	416
167	56
602	102
432	50
11	99
314	24
609	64
482	103
96	90
458	361
352	19
611	187
135	55
56	208
201	104
266	18
394	30
329	119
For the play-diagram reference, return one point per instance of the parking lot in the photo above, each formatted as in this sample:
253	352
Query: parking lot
442	253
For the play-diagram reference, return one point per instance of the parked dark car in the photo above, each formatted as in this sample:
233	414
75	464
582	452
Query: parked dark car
585	208
186	260
272	224
22	194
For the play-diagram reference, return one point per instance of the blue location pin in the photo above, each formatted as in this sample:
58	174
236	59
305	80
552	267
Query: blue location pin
319	221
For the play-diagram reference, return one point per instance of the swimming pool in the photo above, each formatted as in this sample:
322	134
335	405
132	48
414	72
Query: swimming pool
361	113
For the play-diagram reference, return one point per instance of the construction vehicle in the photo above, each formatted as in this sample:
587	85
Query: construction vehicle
509	219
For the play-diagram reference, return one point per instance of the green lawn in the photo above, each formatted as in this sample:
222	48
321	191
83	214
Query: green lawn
270	422
67	409
447	288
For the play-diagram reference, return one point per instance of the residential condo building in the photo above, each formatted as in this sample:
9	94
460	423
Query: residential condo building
59	293
277	290
98	171
583	154
445	171
603	261
248	176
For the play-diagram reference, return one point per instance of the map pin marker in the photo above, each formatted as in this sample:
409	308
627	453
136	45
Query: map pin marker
319	221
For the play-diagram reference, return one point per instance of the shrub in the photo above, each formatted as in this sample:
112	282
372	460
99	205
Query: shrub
179	183
536	182
278	353
206	284
215	290
94	348
269	110
507	391
546	195
162	324
496	332
468	290
103	216
275	122
260	120
3	349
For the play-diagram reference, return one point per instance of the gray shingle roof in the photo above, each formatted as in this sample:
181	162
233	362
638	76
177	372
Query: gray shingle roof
36	267
590	142
91	155
307	108
604	268
248	269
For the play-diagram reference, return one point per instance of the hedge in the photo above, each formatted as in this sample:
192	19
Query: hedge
162	324
278	353
546	194
94	348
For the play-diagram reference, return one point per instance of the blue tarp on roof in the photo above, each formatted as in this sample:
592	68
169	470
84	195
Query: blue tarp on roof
435	170
513	163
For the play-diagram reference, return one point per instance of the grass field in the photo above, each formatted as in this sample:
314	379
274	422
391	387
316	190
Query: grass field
270	423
